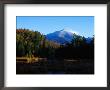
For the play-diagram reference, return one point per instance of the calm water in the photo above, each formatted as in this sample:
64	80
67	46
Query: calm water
55	67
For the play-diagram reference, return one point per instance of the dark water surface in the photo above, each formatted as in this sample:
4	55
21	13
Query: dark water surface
56	67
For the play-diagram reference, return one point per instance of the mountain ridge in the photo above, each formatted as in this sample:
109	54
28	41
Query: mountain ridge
64	36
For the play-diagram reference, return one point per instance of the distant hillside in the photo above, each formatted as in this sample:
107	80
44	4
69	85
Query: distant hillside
64	36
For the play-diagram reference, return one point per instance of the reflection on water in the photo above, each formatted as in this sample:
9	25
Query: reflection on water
55	67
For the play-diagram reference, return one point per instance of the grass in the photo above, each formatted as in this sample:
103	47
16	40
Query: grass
29	59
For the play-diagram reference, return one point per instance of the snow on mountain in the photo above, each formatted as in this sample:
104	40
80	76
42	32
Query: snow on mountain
61	36
64	36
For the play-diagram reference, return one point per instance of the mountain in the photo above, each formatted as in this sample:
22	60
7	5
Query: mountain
88	40
63	36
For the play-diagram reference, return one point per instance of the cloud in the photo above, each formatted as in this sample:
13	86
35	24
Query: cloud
70	30
73	31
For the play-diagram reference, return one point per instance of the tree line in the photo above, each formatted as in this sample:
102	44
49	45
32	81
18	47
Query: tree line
34	44
79	48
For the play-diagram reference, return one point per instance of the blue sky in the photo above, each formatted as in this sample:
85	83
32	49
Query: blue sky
82	25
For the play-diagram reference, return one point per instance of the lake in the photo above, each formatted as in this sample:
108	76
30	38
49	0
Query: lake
53	66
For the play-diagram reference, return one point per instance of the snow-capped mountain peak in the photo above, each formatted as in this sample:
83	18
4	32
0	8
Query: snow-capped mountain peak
64	36
63	33
61	36
69	30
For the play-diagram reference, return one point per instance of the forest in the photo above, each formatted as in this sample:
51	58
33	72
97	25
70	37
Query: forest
35	54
